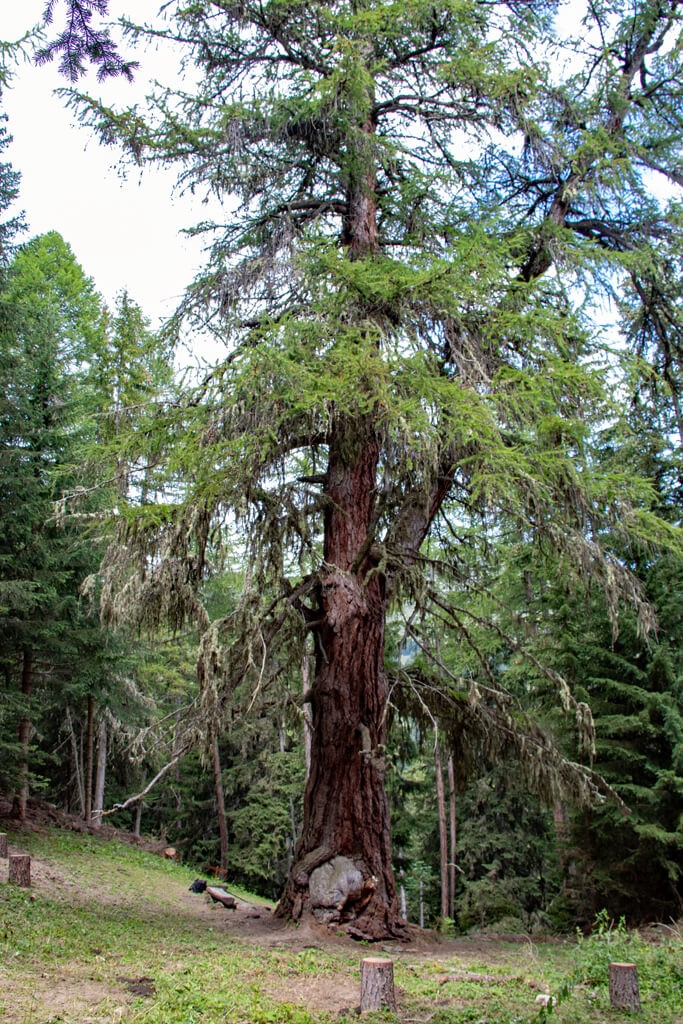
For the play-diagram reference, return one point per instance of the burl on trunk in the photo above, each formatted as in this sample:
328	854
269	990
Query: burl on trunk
342	872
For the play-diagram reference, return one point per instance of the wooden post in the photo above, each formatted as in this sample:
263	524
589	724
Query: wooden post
3	844
377	985
20	869
623	987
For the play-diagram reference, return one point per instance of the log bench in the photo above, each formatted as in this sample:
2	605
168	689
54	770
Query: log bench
219	895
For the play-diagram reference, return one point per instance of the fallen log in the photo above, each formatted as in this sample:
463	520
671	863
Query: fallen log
219	895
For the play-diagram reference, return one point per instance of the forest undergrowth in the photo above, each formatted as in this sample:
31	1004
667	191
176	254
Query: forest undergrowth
109	932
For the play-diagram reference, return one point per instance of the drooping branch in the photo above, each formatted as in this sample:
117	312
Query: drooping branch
150	785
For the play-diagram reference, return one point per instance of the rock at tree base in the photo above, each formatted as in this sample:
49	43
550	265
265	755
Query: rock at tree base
332	886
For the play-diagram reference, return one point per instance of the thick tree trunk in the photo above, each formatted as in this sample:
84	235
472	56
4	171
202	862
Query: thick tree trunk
342	871
346	825
24	736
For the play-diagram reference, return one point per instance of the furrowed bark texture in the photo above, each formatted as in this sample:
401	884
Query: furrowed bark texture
346	812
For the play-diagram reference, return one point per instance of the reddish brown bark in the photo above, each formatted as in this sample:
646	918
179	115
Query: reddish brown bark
346	811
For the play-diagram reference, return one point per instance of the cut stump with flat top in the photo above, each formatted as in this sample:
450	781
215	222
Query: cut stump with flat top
20	870
377	984
3	844
623	987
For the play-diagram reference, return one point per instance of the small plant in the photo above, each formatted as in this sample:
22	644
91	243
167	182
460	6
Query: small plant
608	941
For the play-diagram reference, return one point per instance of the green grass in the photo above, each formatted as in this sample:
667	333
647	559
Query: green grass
104	915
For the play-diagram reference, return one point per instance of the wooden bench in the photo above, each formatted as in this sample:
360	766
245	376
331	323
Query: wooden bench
219	895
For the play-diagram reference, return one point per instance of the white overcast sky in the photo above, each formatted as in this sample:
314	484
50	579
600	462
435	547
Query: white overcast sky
125	232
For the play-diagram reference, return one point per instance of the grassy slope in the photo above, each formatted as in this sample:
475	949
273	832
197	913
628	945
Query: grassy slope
108	933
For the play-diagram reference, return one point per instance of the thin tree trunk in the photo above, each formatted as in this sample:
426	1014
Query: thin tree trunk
452	861
89	745
307	710
76	763
24	736
220	808
443	828
137	822
100	775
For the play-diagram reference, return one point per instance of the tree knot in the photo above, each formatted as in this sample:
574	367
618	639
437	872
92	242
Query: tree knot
343	597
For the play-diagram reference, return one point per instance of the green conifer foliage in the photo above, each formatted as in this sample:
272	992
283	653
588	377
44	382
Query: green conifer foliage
51	317
422	204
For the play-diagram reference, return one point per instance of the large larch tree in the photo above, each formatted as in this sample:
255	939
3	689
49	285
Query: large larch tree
424	203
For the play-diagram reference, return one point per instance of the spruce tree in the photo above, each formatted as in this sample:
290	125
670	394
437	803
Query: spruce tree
51	317
423	202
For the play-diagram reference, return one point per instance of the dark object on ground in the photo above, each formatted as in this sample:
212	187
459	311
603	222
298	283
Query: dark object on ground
199	885
219	895
139	986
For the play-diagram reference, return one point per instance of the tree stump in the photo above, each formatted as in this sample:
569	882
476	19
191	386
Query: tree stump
623	987
377	984
3	844
20	870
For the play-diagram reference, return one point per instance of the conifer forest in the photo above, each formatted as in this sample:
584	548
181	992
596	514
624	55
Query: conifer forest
389	591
